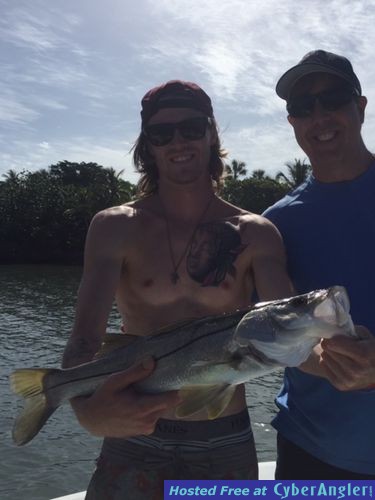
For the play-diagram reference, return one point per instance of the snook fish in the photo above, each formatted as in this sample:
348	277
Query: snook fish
204	358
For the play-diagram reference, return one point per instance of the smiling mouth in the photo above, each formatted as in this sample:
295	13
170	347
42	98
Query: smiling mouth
326	136
182	158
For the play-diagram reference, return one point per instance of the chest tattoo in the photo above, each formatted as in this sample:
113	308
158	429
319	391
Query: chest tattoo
212	253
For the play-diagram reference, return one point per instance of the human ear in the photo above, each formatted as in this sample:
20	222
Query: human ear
362	103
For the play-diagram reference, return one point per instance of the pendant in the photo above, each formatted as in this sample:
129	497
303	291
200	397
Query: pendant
175	277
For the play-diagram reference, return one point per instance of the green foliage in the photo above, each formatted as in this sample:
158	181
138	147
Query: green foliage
258	174
235	169
253	194
45	214
298	171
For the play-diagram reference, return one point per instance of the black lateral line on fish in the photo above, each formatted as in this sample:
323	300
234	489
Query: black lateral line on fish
192	341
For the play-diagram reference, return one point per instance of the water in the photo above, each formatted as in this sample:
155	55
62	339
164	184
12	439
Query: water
37	307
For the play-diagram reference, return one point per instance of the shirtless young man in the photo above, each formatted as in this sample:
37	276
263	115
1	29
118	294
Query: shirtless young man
177	252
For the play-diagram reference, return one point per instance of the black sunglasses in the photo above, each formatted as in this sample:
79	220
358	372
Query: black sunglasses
302	106
191	129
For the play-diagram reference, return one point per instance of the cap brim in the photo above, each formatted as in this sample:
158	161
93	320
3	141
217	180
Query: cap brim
290	78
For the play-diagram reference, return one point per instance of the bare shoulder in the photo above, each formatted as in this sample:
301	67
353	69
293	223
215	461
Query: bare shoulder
113	215
265	249
250	222
113	229
260	234
253	227
109	230
121	218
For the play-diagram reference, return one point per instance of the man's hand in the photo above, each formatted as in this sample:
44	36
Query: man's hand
117	410
348	363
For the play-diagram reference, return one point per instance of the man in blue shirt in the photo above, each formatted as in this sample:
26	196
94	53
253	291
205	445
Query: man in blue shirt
326	422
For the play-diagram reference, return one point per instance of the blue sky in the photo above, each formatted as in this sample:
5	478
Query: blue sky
73	72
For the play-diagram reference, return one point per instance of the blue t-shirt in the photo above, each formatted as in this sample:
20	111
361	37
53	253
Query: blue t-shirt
329	234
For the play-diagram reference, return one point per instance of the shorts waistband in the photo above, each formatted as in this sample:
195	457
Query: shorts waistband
202	429
199	433
216	436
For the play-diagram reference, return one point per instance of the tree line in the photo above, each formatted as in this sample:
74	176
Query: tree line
45	214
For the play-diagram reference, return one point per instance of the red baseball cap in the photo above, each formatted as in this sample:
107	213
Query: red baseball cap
175	94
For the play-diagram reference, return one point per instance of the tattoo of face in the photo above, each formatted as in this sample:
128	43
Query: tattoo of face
212	253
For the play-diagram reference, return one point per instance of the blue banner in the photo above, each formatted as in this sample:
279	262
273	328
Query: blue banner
275	490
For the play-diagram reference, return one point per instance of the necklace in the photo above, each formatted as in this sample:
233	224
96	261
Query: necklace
175	277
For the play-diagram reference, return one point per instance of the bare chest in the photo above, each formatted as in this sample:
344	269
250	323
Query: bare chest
193	273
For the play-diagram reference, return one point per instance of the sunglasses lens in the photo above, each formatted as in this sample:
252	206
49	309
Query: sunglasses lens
191	129
334	99
159	134
301	106
331	100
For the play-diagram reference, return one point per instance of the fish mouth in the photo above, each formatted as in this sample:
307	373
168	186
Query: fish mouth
334	309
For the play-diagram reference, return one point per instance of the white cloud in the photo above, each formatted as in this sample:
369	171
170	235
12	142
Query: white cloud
243	46
12	111
72	77
21	27
265	145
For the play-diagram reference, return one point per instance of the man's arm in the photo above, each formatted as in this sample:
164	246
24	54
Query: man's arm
347	363
269	263
101	275
115	409
272	282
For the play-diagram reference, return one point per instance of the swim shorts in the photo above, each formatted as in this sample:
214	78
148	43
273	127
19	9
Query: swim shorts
136	468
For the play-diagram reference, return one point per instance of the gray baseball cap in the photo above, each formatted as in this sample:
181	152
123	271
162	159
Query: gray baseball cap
318	61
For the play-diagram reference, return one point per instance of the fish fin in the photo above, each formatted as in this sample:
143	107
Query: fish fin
113	341
29	384
31	419
216	407
195	399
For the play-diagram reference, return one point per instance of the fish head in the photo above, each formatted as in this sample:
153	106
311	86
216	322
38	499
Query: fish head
286	330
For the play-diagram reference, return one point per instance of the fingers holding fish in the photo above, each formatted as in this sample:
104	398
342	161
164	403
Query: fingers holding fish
121	417
355	348
349	364
116	409
338	369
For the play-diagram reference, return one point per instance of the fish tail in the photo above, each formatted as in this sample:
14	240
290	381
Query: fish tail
36	411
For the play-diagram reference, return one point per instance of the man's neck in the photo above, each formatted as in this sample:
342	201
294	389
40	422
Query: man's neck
343	169
185	203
